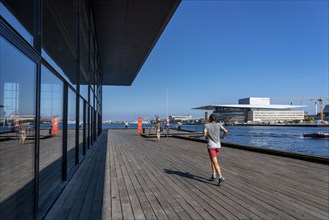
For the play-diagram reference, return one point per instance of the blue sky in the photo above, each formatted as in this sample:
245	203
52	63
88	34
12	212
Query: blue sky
216	52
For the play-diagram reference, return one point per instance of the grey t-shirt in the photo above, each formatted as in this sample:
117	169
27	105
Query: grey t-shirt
213	133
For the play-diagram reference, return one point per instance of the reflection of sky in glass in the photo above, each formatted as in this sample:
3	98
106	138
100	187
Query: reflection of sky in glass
71	106
4	12
17	81
55	66
10	97
81	111
84	91
51	95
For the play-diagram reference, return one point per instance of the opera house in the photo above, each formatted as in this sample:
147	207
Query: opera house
255	109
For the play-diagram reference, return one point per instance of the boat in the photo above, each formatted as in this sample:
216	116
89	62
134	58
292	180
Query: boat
317	135
143	122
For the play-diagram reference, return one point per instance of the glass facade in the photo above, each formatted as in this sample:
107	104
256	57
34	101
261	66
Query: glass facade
87	119
17	136
18	26
51	134
82	125
51	88
47	101
71	132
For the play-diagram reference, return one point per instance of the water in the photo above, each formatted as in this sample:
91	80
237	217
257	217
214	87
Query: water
274	137
122	125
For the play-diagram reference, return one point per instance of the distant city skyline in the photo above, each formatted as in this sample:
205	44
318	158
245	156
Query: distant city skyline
216	52
197	114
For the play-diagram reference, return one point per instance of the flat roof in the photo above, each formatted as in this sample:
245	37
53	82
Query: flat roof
279	107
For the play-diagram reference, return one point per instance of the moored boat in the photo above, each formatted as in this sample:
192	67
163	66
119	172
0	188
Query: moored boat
317	135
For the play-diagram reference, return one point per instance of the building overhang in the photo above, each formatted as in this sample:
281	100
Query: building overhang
125	34
127	31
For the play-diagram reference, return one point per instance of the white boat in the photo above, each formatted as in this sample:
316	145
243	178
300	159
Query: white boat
136	122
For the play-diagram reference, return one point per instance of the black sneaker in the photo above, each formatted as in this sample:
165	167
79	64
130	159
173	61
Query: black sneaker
221	179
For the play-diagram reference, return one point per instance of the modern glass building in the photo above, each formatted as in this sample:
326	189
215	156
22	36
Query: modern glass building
55	57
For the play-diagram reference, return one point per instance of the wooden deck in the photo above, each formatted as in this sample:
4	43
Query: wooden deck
126	176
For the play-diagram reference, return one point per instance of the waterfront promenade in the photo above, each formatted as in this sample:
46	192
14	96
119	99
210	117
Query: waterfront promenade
126	176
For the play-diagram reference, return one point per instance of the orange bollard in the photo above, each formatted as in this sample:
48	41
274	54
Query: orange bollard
54	125
140	126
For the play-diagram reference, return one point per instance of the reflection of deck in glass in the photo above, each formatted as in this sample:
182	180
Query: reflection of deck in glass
16	161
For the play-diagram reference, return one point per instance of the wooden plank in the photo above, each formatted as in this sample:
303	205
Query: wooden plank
197	196
91	195
211	206
144	179
106	209
70	202
153	200
134	201
257	190
97	204
169	197
123	194
167	208
192	214
77	207
144	203
115	196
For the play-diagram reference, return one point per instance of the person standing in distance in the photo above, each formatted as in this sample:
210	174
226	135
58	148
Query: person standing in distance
212	131
158	128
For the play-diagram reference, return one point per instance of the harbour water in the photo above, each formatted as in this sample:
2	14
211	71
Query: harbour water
274	137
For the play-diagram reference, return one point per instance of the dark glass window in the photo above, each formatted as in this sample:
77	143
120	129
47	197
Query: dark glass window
59	37
84	91
81	125
17	136
56	67
71	123
19	6
87	125
51	134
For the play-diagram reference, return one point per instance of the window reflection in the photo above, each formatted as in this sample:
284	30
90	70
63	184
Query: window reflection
55	66
87	125
10	96
81	125
18	100
84	91
51	132
93	122
11	19
96	121
17	136
71	122
59	38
